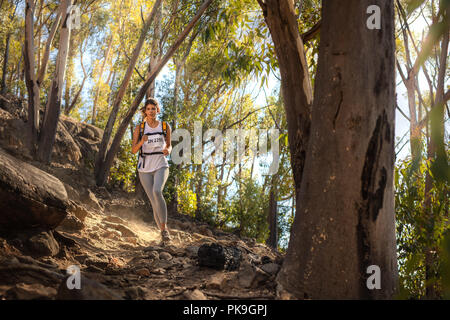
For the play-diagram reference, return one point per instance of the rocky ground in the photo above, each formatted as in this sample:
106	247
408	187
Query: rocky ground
111	237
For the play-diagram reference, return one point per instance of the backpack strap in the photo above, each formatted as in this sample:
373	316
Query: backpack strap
164	127
141	132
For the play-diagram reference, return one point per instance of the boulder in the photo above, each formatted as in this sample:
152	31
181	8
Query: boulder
219	257
30	197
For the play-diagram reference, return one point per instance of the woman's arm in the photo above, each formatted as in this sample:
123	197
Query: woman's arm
168	147
137	144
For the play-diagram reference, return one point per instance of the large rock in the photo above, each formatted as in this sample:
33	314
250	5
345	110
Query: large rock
218	257
29	197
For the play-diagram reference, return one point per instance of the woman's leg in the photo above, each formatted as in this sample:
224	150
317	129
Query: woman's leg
160	179
147	180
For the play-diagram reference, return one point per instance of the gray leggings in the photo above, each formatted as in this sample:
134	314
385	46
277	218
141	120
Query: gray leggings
153	184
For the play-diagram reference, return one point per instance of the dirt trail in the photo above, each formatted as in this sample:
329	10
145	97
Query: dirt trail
119	247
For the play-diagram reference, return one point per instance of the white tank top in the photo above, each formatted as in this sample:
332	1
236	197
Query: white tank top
155	143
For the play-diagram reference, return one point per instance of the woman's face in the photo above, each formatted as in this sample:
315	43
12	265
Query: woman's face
151	110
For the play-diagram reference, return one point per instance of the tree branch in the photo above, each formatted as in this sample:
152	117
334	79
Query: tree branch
311	33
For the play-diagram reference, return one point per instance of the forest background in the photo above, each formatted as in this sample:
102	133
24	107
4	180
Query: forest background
225	74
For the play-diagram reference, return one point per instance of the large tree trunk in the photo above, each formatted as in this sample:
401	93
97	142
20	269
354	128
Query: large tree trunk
53	108
105	166
30	73
345	209
100	159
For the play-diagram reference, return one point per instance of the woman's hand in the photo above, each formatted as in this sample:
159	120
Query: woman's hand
144	138
166	151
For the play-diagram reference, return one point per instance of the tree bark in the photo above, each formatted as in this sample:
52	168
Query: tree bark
345	209
30	73
272	241
5	64
53	109
105	166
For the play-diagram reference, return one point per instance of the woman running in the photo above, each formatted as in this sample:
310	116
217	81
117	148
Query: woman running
153	167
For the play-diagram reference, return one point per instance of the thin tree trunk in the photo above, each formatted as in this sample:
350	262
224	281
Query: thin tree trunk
154	54
344	221
53	109
45	57
438	157
30	75
72	105
5	64
272	216
97	91
105	166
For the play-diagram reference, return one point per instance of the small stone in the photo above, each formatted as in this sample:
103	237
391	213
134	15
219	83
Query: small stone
192	251
159	271
194	295
165	256
144	272
97	261
216	282
246	276
154	255
165	264
93	201
79	211
43	244
271	268
115	219
71	223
